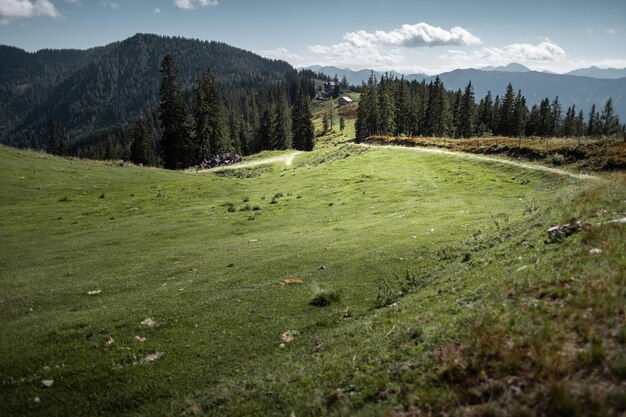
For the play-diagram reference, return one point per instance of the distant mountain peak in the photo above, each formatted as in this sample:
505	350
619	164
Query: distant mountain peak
512	67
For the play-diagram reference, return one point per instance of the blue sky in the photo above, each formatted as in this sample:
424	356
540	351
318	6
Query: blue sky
408	36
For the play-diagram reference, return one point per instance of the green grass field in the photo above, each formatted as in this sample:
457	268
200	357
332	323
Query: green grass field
441	288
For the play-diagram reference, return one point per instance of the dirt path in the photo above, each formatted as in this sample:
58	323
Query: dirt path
286	159
486	158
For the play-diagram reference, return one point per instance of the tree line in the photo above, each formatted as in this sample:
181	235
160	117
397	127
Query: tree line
398	107
187	130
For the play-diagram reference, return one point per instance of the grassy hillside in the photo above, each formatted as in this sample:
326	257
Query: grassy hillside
144	292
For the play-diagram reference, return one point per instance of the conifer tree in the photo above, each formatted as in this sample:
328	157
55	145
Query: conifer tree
142	145
282	138
467	110
210	120
485	114
507	114
593	123
342	123
302	126
435	123
386	105
557	117
175	136
55	138
609	120
368	116
520	114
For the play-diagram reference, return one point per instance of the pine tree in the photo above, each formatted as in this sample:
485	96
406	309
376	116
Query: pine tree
387	125
593	123
265	136
55	138
435	123
342	123
546	121
175	136
485	114
557	117
368	113
609	120
507	113
142	145
580	124
302	126
467	112
282	138
520	114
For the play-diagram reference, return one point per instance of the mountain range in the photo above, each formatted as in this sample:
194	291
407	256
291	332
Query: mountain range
574	88
89	92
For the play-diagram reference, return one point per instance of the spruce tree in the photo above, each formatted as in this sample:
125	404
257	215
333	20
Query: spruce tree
467	117
282	138
557	117
387	108
175	137
142	145
435	123
609	120
507	113
520	114
55	138
301	124
485	114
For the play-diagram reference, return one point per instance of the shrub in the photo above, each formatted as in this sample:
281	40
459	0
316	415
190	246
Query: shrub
323	297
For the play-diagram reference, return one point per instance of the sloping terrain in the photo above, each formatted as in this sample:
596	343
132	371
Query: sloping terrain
356	281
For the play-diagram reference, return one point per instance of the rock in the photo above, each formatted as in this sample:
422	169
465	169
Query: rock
558	233
47	383
595	251
110	340
140	339
282	345
94	292
322	268
148	322
290	281
288	336
153	356
36	399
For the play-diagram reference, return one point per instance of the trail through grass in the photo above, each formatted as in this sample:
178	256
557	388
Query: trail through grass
340	285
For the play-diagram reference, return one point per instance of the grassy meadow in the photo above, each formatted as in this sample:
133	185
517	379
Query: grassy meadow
420	283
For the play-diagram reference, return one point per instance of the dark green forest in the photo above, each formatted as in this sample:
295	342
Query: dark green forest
395	106
95	96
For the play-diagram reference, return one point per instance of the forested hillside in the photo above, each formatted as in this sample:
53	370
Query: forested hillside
94	94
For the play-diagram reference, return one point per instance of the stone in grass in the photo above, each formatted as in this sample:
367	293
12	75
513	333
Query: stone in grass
153	356
47	383
290	281
595	251
148	322
140	339
94	292
288	336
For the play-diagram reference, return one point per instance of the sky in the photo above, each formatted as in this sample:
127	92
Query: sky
409	36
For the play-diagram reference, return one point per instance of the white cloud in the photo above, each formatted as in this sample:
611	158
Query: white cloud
19	9
157	11
611	32
384	50
413	36
193	4
544	52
